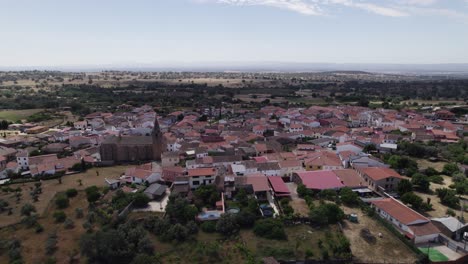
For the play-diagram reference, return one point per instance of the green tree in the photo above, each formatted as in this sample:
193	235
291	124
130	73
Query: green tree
27	209
421	181
140	200
270	228
349	197
450	169
414	200
62	201
227	225
404	186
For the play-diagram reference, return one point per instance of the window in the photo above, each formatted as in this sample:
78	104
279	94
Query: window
196	182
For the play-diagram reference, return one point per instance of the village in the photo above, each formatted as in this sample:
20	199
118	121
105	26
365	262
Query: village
290	162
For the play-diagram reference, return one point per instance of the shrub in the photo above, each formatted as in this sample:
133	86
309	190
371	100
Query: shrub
92	194
140	200
327	213
451	212
269	228
59	216
414	200
208	226
349	197
71	192
62	201
450	169
448	197
39	228
27	209
79	213
227	225
436	179
68	224
51	244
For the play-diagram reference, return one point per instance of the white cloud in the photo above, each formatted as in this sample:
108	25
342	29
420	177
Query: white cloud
390	8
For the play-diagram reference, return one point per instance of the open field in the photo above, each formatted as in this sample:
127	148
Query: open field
15	115
388	247
213	248
424	164
33	244
52	187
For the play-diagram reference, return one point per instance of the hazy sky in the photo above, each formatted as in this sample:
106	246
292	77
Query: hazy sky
102	32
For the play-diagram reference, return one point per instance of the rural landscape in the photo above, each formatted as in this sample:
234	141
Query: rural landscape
125	167
234	132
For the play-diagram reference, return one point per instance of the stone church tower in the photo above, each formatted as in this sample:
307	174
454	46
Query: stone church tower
157	140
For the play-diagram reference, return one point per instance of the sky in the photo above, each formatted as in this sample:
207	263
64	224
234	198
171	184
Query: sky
164	32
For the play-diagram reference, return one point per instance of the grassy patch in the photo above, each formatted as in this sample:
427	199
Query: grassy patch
15	115
434	254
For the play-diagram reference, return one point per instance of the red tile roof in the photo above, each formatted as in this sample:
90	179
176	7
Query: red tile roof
320	180
278	185
399	211
201	172
380	173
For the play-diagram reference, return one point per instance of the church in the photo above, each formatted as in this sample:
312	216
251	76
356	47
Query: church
118	149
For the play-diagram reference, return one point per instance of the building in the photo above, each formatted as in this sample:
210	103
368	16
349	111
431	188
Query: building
410	223
318	180
155	191
380	179
116	149
201	176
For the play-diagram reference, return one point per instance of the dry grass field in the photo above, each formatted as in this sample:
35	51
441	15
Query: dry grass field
387	248
51	187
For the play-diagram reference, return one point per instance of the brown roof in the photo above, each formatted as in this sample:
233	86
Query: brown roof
350	178
424	229
399	211
380	173
201	172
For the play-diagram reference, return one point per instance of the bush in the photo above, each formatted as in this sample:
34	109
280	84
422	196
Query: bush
327	213
27	209
51	244
39	228
227	225
59	216
421	181
269	228
71	192
208	226
62	201
69	224
414	200
140	200
450	169
29	221
79	213
436	179
451	212
92	194
448	197
349	197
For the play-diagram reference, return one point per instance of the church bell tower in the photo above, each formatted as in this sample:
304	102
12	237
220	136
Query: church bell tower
157	140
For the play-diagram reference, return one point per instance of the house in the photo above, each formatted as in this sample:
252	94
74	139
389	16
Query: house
169	159
200	176
288	167
349	178
280	189
146	173
113	184
348	146
155	191
323	161
318	180
254	184
451	227
295	128
36	130
380	179
80	125
410	223
269	168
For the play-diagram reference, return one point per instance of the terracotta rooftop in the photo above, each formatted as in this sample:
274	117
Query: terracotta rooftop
399	211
